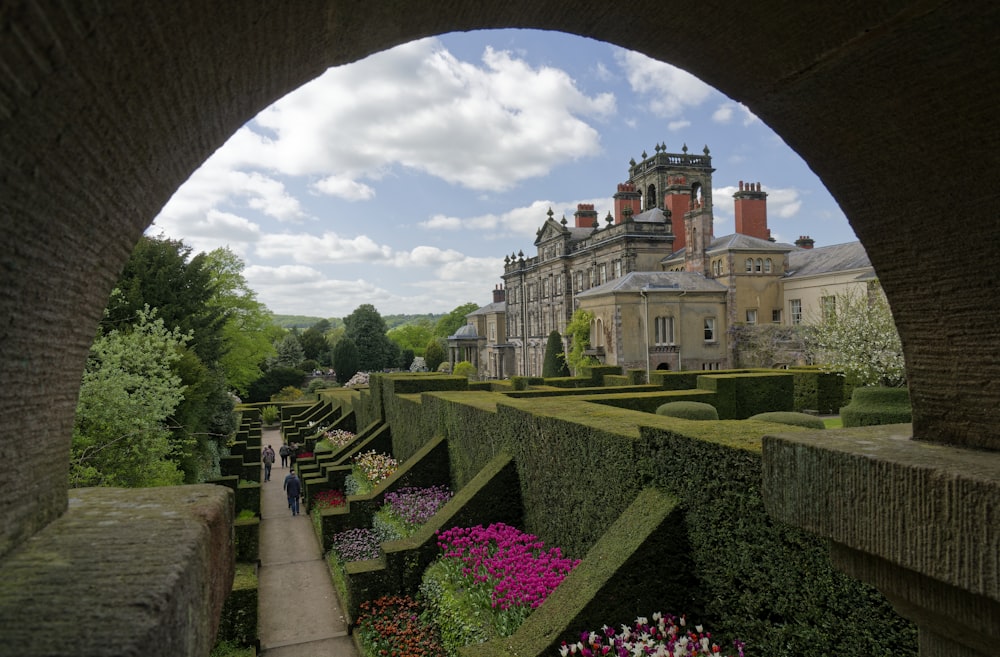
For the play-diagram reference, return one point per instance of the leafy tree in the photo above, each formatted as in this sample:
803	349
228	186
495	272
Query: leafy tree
248	333
555	361
454	320
346	360
273	381
578	331
857	336
287	394
406	357
289	351
413	336
366	329
162	274
434	355
314	344
129	389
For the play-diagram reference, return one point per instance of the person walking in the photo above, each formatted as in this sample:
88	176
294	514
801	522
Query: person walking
283	452
293	455
293	488
268	458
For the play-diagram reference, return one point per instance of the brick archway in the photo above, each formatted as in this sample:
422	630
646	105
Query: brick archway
105	112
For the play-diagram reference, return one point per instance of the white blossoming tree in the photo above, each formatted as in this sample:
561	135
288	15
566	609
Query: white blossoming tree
857	336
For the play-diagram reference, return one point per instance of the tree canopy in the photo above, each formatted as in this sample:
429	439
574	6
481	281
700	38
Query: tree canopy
858	336
578	331
128	392
367	330
451	322
555	359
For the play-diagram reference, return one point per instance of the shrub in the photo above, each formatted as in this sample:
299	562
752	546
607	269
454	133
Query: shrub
554	364
287	394
270	415
877	405
319	384
688	410
466	369
788	417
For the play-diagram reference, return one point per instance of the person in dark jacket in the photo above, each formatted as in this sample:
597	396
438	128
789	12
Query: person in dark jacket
283	453
293	488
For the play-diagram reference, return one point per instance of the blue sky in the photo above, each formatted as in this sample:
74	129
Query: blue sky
402	180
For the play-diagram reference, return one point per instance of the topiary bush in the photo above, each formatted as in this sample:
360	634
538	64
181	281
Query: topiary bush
877	405
789	417
688	410
466	369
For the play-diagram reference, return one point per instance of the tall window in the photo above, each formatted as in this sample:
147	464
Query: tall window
602	273
717	267
664	331
776	316
558	291
752	316
767	266
829	306
795	310
709	329
759	266
749	265
618	268
577	281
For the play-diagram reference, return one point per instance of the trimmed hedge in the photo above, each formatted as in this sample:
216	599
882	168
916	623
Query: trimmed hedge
794	419
741	395
817	390
688	410
876	405
580	465
247	532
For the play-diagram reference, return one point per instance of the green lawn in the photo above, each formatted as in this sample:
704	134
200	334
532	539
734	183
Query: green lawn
833	422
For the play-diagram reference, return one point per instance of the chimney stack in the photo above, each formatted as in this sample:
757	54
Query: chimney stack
751	211
585	215
805	242
499	294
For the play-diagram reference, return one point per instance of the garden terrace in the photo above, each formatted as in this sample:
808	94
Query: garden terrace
579	468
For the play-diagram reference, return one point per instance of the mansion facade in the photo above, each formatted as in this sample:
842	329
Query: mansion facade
663	289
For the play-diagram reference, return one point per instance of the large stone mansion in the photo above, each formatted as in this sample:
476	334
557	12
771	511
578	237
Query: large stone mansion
663	289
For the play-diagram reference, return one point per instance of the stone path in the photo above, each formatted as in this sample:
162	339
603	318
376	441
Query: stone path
298	611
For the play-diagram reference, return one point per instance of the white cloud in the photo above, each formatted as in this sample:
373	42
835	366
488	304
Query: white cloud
344	188
417	106
674	126
724	113
668	89
518	222
326	248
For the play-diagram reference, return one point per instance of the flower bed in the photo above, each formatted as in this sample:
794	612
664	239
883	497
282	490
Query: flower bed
367	470
324	499
666	636
487	581
406	509
393	625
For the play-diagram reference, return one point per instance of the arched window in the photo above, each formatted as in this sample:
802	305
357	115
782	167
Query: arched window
749	265
760	265
767	266
650	197
717	267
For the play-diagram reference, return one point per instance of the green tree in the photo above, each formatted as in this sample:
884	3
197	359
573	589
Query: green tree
366	329
314	344
451	322
413	336
289	351
434	355
249	332
129	389
578	331
857	336
162	274
555	360
346	360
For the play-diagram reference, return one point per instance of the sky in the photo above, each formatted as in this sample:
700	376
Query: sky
402	180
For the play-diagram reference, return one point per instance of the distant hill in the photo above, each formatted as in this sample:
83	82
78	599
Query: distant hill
303	322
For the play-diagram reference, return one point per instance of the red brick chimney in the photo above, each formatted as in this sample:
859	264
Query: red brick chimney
585	215
627	196
805	242
751	211
499	294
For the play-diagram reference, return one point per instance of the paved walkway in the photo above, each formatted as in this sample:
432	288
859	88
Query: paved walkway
298	610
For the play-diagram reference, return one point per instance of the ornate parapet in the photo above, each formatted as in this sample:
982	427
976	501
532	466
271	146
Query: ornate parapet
919	521
122	572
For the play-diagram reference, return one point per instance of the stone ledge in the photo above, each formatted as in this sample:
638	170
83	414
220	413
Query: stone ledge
122	572
929	508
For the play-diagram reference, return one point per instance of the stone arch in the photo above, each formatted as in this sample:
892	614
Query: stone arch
105	112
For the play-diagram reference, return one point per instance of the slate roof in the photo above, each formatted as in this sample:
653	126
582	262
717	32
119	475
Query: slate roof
737	242
495	307
682	281
827	260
